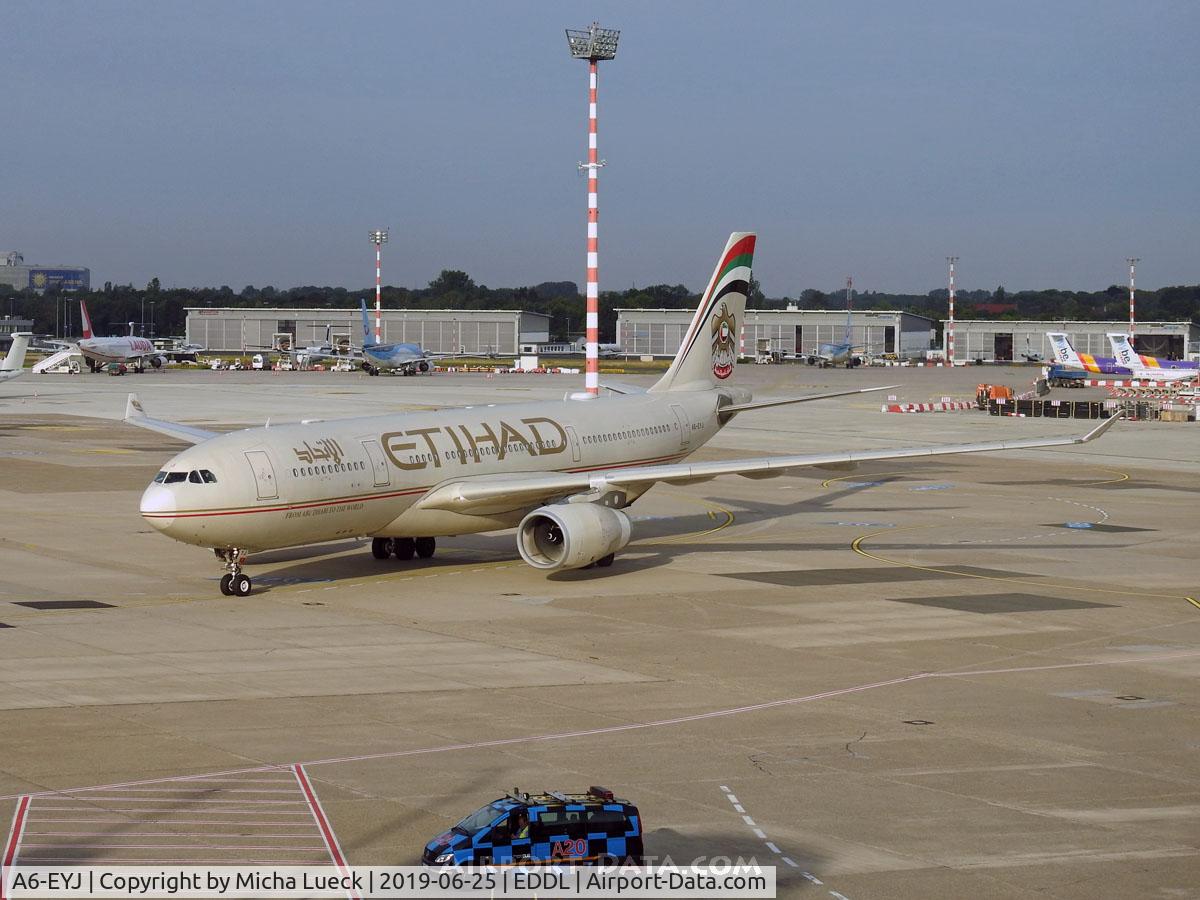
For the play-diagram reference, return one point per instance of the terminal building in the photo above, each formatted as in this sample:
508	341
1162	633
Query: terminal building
791	331
18	276
1002	341
482	331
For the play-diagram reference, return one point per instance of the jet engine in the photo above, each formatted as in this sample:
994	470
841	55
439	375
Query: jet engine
157	361
422	366
571	535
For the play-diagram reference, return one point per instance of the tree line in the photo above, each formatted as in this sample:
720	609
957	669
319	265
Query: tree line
159	311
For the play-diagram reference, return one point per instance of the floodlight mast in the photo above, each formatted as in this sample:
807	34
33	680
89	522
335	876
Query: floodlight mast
1133	261
950	323
593	44
378	238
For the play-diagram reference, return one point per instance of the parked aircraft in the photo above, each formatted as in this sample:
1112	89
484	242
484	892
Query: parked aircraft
100	351
845	352
407	359
1148	366
13	365
1066	356
561	472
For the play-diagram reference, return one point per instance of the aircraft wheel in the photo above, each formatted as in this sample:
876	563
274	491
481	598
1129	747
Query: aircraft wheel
381	548
425	547
226	587
405	548
605	561
241	585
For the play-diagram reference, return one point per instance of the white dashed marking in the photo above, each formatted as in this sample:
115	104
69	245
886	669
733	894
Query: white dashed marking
773	847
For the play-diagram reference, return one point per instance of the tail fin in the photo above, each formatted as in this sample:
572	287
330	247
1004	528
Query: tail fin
1064	353
710	348
85	319
368	341
1123	351
16	353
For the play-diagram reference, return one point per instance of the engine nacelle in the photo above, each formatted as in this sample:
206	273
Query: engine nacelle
422	366
158	361
571	535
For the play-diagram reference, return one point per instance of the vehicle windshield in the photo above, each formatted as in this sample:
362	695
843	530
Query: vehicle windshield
481	818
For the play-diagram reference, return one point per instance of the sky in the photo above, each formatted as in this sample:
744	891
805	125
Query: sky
232	143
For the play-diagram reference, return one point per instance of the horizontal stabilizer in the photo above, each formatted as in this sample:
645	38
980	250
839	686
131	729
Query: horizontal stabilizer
136	415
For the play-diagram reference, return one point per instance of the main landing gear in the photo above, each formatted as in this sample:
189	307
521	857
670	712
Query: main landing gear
234	583
403	547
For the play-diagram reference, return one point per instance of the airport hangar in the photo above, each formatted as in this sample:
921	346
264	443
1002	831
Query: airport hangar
659	332
483	331
1001	340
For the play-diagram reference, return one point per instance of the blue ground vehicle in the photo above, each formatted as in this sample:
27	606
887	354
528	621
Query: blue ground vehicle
543	829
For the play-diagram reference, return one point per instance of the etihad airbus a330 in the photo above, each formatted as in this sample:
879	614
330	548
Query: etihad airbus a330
561	472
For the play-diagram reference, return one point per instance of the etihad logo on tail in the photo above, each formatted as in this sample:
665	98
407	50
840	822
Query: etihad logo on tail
724	351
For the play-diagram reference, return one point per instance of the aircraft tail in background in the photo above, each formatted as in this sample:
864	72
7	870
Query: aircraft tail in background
368	339
86	320
1064	352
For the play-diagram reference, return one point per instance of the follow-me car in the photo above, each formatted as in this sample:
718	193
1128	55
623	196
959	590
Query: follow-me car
561	472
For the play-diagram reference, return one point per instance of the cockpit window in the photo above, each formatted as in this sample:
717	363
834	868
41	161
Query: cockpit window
194	477
160	477
209	477
175	477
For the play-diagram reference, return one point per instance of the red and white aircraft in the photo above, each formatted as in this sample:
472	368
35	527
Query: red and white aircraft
100	351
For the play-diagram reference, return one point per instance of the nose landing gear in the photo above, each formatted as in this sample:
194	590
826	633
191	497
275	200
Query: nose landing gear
234	583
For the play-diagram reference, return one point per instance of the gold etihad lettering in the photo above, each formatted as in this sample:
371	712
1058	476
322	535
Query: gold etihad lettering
326	450
539	437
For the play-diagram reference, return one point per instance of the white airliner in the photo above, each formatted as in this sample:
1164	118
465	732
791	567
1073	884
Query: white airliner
100	351
1148	367
561	472
13	365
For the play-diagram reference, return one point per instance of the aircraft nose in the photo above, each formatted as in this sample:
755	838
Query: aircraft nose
158	506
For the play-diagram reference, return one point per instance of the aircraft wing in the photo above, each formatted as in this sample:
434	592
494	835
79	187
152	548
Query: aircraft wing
136	415
485	495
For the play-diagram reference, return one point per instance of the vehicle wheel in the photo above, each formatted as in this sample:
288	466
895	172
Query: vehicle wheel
226	588
425	547
605	561
241	585
381	548
405	548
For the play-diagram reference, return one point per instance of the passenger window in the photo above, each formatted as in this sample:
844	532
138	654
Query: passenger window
175	477
194	477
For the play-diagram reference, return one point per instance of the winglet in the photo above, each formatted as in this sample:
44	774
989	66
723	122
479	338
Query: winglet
133	408
135	414
1102	427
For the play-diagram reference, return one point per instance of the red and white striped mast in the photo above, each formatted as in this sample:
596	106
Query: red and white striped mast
594	44
950	322
378	238
1133	261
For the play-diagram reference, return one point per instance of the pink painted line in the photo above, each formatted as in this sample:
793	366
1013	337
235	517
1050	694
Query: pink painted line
191	812
126	821
221	847
207	790
12	846
633	726
331	841
194	800
125	834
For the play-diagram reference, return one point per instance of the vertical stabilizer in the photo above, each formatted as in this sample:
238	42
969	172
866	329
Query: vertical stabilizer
1123	351
16	353
1064	353
86	320
368	341
710	347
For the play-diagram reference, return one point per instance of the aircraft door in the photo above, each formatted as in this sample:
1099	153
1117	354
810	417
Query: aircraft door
685	427
379	464
264	474
574	439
